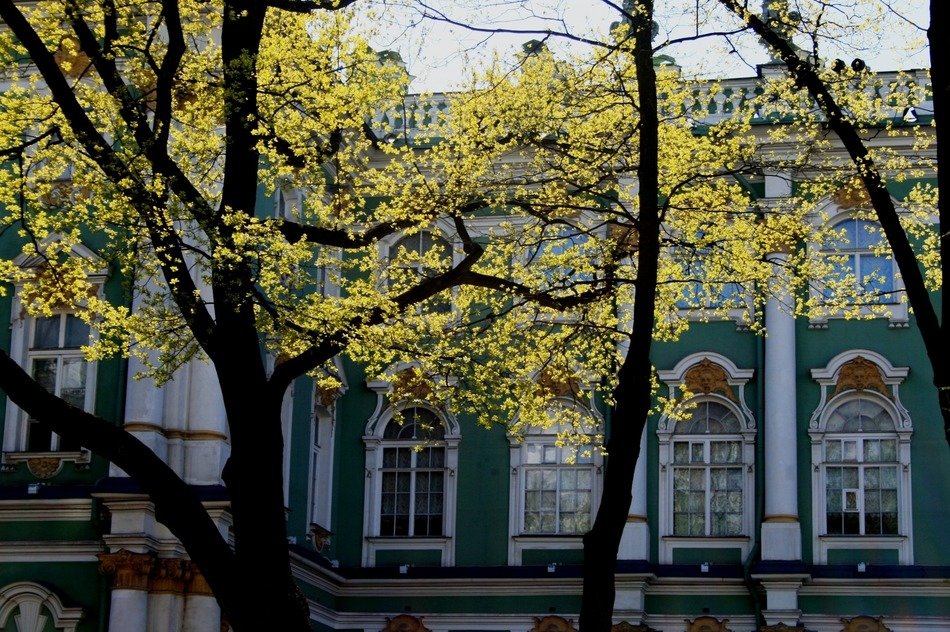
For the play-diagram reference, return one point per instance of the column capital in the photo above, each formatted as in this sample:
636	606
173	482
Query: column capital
170	576
196	582
128	570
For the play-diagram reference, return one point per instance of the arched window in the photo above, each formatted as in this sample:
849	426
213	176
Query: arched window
708	473
413	475
416	257
860	436
861	469
706	461
411	461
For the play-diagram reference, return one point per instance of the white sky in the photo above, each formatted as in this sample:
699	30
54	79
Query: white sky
441	56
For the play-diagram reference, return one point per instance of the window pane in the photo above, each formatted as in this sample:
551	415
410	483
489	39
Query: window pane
680	452
698	453
77	332
46	332
888	450
532	453
568	479
44	372
584	479
73	382
833	451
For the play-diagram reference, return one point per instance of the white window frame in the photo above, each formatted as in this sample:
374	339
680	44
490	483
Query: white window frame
891	376
895	310
736	379
518	540
322	440
372	493
21	331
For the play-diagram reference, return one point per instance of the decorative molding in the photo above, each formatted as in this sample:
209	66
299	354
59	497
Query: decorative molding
781	627
45	465
128	570
553	623
29	599
71	53
707	624
708	377
45	509
852	195
864	623
405	623
860	374
556	386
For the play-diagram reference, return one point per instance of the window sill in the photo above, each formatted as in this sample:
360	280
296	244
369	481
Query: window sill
44	465
899	543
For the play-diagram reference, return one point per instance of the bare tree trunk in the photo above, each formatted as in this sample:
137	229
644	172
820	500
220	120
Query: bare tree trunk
633	392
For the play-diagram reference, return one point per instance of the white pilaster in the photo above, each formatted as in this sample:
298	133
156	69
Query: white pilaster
781	531
635	542
165	612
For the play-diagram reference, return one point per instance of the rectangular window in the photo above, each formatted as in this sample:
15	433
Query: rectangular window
413	491
861	486
707	488
55	361
557	493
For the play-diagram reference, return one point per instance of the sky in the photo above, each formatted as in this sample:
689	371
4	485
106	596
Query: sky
440	56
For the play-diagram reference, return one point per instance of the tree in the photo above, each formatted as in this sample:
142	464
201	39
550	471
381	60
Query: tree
148	129
591	203
831	86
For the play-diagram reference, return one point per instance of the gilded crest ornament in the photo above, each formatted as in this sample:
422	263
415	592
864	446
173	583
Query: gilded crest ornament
861	374
852	195
864	623
781	627
624	626
44	466
405	623
707	624
552	623
708	377
557	386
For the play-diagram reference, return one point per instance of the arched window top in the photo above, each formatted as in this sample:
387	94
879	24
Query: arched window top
417	424
855	234
709	417
860	414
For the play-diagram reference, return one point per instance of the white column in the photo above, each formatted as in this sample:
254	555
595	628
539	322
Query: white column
781	531
128	609
204	440
635	542
202	613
